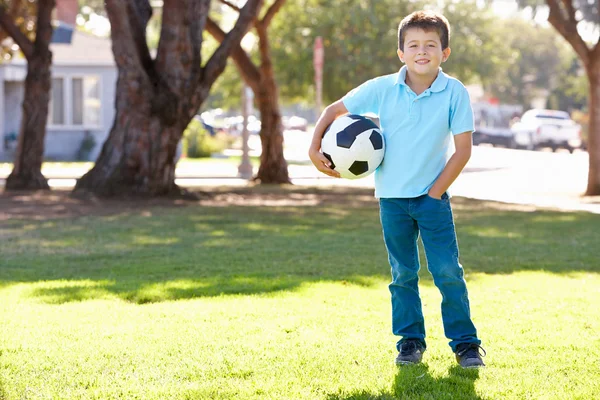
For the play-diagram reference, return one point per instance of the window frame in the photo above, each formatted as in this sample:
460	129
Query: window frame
68	103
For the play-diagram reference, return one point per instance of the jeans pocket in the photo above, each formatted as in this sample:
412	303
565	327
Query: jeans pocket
444	198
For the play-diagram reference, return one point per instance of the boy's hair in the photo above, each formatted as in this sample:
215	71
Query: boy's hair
427	21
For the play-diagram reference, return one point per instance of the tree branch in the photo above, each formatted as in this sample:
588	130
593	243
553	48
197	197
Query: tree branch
124	41
8	24
43	34
566	25
230	5
139	13
596	50
246	67
275	7
216	64
570	11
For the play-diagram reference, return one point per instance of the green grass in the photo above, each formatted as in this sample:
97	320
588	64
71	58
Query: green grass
288	302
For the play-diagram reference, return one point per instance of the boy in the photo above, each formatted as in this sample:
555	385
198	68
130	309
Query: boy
420	109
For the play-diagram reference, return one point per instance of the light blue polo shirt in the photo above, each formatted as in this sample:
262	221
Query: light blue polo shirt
417	129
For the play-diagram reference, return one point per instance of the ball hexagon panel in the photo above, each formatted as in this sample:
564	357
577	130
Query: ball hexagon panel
347	136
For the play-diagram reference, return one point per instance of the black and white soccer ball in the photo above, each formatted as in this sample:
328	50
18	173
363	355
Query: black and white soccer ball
354	145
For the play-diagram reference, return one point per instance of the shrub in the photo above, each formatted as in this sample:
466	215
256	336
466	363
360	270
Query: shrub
198	143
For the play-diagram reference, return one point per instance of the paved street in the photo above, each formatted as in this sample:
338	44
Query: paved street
540	178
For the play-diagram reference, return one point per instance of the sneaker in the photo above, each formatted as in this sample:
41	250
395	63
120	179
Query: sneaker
411	352
469	355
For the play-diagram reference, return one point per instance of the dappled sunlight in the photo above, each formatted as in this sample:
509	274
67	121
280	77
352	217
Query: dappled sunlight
554	218
140	292
153	240
199	251
492	232
222	242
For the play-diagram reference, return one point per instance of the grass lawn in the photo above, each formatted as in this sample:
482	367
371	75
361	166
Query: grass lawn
282	294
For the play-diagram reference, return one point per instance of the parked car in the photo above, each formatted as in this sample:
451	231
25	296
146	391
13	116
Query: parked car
546	128
295	123
493	135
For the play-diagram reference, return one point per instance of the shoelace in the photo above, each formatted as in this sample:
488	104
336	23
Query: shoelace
472	351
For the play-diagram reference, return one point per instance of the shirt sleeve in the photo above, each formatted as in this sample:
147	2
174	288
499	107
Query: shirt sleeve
364	99
461	112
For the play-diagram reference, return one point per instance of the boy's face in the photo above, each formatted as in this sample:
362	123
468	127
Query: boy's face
423	52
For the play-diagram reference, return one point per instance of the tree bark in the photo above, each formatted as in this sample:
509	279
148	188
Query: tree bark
593	140
27	170
273	167
156	98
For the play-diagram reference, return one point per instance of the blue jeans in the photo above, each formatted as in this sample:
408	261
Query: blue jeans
402	220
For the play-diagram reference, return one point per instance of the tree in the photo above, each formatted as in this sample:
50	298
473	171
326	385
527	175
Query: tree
566	16
537	57
23	14
571	18
361	41
27	173
156	97
261	79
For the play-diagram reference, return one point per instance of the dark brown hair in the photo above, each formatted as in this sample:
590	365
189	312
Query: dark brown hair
427	21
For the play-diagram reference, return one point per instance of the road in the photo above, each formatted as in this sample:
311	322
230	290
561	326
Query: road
539	178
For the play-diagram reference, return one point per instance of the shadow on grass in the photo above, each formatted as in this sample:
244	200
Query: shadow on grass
415	382
168	253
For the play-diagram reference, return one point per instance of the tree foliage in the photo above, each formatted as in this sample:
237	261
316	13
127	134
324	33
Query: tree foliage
537	62
23	14
361	44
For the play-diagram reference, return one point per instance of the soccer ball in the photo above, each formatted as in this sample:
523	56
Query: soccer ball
354	145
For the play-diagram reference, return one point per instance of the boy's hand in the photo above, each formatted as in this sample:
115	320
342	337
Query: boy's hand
322	163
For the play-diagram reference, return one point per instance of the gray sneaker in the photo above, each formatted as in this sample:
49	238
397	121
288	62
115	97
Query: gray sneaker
469	355
411	352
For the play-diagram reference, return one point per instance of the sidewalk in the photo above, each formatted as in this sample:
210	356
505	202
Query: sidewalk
545	180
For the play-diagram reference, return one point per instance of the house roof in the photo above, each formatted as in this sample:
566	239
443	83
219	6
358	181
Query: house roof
84	49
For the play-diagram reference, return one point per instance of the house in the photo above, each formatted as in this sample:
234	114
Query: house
81	110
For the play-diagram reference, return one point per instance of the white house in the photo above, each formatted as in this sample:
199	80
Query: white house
82	100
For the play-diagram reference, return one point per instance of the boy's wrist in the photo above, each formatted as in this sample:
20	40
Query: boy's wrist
434	194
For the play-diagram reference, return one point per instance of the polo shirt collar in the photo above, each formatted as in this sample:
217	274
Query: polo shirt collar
438	84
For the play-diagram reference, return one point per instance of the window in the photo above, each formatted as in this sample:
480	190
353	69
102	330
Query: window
86	101
75	101
56	110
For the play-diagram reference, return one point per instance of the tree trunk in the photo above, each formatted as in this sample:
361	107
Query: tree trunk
273	167
138	158
27	170
593	144
156	98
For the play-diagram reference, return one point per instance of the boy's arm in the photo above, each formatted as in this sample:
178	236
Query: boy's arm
456	163
330	113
